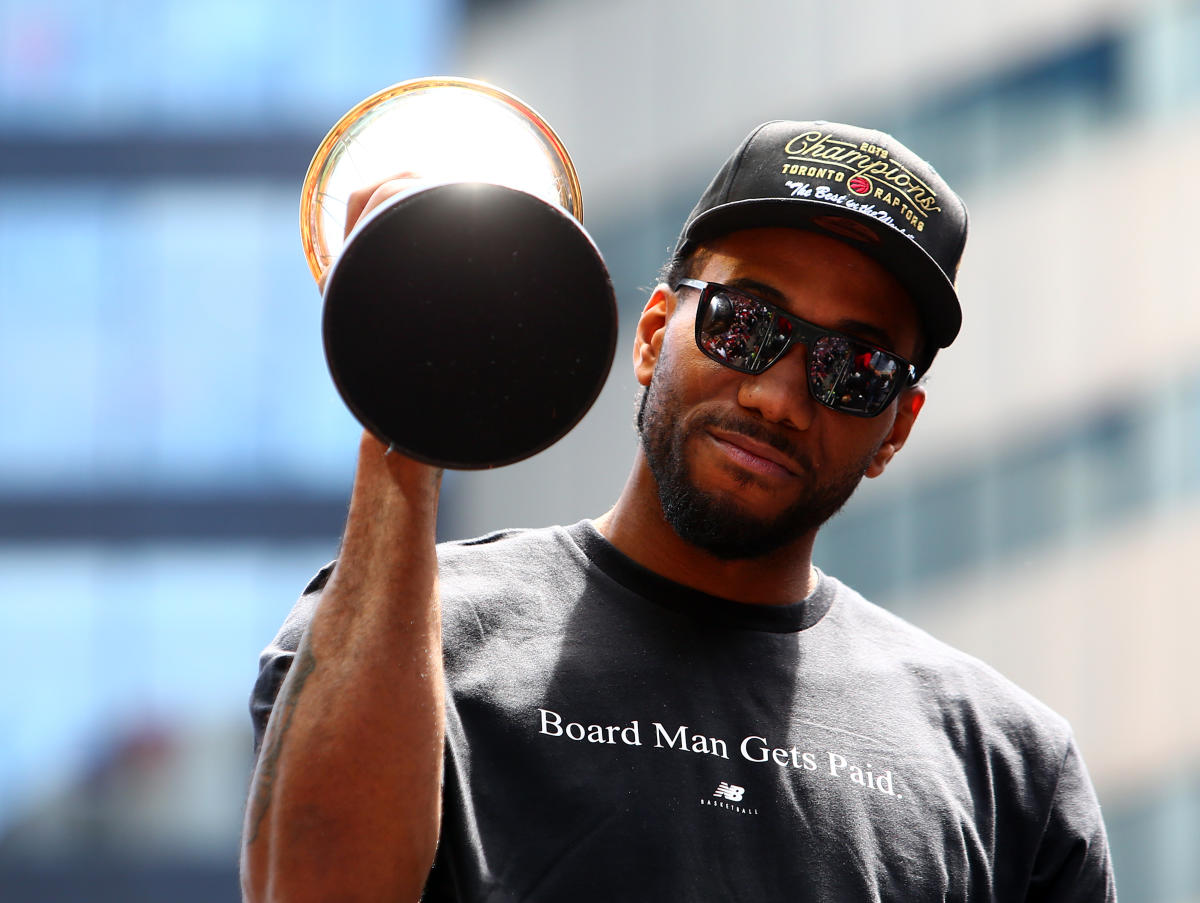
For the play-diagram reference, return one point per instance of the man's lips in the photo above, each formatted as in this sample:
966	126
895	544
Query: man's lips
754	454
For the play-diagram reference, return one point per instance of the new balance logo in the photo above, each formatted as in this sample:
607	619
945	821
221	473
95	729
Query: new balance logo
731	792
725	796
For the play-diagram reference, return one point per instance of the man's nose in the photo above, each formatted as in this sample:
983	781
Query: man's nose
780	394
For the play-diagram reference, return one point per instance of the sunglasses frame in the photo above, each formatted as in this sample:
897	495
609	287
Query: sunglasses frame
804	333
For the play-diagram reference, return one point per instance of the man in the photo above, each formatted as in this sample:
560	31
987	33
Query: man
671	702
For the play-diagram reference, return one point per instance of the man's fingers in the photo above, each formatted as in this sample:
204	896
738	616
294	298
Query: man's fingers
364	200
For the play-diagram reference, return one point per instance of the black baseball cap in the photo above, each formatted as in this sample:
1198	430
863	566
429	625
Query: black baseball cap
859	185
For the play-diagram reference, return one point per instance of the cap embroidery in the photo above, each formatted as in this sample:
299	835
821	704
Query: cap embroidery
860	185
898	188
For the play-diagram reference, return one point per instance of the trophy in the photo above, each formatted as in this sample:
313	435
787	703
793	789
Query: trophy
469	321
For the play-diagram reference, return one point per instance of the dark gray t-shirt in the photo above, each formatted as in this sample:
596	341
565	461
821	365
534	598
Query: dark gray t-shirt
612	735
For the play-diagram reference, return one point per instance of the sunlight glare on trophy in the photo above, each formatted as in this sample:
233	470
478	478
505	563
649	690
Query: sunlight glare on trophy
437	131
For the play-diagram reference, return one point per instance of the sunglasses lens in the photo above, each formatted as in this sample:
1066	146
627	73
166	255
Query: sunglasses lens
741	332
850	377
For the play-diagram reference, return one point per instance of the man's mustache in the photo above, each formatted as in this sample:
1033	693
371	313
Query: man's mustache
759	431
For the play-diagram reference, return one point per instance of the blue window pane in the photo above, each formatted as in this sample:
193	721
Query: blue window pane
96	637
84	64
166	335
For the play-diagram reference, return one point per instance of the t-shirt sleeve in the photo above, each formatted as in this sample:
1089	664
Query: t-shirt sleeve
276	659
1073	861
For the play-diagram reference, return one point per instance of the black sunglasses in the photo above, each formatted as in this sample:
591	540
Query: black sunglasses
748	334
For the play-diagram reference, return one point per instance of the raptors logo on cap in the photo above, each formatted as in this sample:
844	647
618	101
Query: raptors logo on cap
859	185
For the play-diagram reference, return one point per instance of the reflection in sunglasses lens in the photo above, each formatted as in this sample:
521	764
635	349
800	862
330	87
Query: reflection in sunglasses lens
733	328
849	377
718	314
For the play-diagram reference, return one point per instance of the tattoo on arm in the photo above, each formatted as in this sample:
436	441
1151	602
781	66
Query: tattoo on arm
264	782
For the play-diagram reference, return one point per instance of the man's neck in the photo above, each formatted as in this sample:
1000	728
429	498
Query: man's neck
637	528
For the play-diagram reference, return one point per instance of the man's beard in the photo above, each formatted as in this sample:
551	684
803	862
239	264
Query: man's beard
717	524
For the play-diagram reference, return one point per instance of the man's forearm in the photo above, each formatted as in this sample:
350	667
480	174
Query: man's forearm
345	802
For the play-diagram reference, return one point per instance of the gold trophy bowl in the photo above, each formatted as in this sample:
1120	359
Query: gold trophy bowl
468	321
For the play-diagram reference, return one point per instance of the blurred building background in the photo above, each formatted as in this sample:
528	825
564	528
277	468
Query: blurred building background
174	462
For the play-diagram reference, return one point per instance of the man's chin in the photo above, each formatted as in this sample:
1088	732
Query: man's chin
743	520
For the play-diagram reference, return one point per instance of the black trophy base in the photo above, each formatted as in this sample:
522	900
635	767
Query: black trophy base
469	325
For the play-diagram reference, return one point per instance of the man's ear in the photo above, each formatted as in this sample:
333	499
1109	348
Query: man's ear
651	330
907	408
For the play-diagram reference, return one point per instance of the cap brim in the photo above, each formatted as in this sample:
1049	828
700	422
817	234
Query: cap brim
930	288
